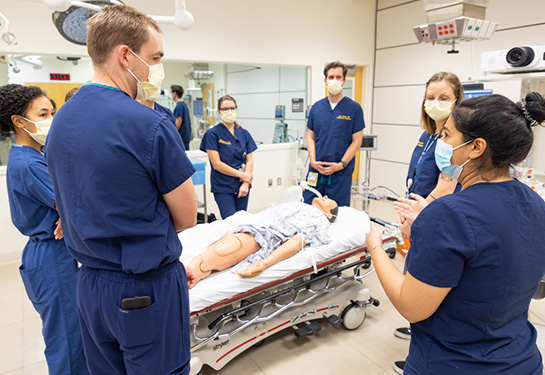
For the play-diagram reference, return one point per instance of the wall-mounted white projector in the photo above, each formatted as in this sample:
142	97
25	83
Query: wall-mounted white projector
515	60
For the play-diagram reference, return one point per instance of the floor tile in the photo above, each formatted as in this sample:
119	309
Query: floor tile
11	347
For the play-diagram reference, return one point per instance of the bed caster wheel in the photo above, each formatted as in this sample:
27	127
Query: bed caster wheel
353	317
391	251
259	343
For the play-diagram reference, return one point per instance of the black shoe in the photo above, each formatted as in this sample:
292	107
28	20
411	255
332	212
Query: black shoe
403	333
399	366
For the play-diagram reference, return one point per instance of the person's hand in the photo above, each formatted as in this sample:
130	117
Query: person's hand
191	278
243	190
58	230
374	239
410	208
254	270
319	166
405	229
330	168
246	177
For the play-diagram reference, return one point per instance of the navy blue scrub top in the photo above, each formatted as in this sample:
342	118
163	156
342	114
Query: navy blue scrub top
422	169
182	111
232	151
111	160
30	193
486	243
333	130
164	110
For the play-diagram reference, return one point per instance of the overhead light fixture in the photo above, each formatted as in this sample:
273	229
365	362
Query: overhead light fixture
7	36
73	60
30	59
70	17
452	21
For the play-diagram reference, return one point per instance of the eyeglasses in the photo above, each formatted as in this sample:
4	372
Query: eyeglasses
232	109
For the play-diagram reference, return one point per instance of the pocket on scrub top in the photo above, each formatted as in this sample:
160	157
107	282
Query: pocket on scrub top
137	327
35	285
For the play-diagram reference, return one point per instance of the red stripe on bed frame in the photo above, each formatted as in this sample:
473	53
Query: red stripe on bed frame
292	276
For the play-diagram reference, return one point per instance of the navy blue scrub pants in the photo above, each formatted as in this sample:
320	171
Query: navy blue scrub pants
50	274
229	203
334	186
152	340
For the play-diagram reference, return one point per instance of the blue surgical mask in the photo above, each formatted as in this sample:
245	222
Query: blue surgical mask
443	154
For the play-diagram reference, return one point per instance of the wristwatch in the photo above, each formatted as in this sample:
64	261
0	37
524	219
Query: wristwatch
343	163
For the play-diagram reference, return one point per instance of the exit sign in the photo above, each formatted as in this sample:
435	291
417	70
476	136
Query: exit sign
59	77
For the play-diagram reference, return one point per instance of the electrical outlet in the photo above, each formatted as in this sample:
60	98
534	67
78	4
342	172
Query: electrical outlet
279	181
269	182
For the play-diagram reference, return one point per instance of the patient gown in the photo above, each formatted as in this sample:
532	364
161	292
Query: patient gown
274	226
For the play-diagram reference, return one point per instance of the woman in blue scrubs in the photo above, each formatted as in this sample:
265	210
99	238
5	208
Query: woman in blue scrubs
48	271
443	92
229	148
476	257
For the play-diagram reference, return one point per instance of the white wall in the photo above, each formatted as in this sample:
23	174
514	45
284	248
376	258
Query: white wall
403	66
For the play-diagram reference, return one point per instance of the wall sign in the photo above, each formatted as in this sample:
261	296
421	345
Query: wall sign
59	77
297	105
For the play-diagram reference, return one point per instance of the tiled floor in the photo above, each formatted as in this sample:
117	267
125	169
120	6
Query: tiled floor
369	350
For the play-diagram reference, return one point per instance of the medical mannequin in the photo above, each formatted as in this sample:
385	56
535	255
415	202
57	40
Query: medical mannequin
236	247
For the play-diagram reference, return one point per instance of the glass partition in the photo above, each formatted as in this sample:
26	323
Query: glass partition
258	89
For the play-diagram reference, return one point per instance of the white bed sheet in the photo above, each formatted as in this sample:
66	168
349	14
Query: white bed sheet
348	231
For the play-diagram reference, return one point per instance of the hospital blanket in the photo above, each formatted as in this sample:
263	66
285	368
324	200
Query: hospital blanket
348	231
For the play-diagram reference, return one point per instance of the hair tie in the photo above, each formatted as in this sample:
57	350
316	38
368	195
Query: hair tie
527	114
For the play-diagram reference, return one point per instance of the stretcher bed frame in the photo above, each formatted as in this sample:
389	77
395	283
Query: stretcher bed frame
224	330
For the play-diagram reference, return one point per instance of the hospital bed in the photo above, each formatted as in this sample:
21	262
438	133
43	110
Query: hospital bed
230	314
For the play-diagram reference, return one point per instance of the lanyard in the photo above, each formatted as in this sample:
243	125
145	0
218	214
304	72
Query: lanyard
427	146
429	143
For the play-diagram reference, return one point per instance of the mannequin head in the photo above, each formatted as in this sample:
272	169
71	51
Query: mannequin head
328	206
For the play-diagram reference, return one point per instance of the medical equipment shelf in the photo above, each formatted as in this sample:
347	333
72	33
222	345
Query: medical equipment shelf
226	329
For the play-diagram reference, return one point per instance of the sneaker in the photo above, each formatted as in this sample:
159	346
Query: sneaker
403	333
399	366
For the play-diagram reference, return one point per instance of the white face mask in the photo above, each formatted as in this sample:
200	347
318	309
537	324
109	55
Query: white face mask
438	109
334	87
229	116
150	90
42	129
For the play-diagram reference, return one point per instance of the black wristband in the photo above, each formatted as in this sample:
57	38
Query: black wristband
343	163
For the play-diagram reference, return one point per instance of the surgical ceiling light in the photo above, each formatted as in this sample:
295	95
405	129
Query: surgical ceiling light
70	17
452	21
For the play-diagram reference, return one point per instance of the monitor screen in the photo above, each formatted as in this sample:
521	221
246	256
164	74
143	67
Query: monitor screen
197	107
279	112
468	94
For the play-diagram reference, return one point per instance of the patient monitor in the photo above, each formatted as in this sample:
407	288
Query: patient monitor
280	128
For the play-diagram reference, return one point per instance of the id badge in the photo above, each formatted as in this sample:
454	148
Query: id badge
312	179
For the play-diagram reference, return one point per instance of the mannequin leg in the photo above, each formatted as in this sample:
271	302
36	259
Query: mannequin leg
223	254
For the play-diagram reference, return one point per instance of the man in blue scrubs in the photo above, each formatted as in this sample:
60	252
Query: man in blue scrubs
335	132
123	189
181	113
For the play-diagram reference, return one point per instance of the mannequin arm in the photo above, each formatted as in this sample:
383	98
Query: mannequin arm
284	251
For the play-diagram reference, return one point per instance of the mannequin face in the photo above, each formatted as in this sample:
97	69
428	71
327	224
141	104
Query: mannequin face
325	205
